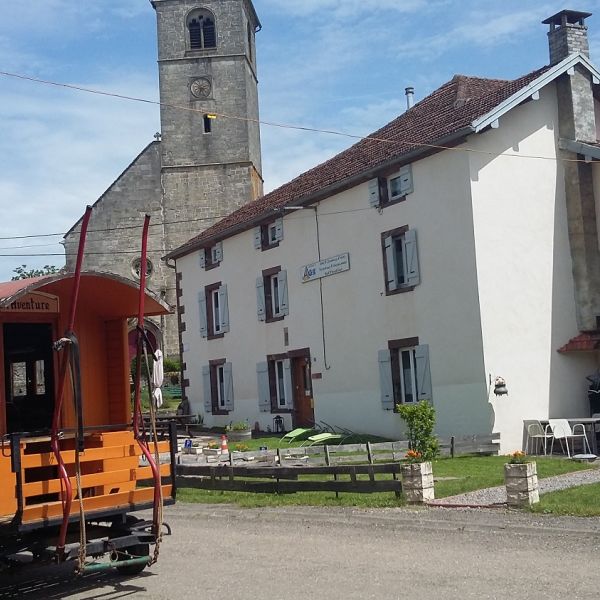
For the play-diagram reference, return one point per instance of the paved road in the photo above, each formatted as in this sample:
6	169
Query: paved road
225	553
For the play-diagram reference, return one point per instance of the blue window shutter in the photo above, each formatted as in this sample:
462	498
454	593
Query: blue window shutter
374	195
218	252
390	262
228	381
406	180
385	380
207	389
423	372
284	308
224	309
279	230
260	299
287	382
202	258
264	390
203	317
411	258
258	237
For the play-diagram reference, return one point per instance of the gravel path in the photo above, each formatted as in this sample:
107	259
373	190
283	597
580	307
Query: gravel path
497	495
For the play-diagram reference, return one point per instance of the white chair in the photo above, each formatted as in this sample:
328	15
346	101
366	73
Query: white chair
561	430
535	434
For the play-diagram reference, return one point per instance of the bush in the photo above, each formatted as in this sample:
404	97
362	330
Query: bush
420	421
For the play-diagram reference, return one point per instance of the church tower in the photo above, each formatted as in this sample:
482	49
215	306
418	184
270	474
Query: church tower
211	164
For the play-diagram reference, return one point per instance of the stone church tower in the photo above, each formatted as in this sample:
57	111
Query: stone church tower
207	160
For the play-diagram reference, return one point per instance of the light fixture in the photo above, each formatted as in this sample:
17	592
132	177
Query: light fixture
500	388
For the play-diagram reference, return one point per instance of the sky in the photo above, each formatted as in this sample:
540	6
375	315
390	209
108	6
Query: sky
328	64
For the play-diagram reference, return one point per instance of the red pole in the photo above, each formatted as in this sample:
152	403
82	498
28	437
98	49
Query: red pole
137	410
66	487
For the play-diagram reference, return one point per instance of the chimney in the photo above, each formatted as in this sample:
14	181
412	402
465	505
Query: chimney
410	97
567	35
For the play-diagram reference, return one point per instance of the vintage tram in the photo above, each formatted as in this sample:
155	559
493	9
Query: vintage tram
76	460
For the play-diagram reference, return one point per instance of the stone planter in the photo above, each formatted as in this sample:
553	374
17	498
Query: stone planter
417	482
521	484
211	451
239	436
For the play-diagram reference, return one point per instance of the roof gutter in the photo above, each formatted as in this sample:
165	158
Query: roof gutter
338	186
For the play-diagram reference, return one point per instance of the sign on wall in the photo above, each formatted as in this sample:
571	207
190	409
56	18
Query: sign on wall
325	267
36	302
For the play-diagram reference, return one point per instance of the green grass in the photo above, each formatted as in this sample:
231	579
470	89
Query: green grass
471	473
273	442
582	501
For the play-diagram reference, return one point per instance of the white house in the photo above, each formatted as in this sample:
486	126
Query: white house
458	244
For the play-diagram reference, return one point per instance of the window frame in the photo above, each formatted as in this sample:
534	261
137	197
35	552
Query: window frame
200	14
267	240
272	361
396	348
216	395
209	256
270	277
396	235
211	291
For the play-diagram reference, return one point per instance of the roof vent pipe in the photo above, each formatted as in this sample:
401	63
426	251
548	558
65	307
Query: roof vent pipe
410	97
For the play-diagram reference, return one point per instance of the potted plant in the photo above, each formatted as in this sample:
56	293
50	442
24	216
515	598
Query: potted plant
520	479
239	431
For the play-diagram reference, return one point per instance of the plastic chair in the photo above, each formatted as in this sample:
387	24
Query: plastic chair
535	434
561	430
300	433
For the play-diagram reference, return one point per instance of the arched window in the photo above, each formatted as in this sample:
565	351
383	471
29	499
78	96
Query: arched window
203	32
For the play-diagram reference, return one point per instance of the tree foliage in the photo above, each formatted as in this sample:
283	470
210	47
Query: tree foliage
24	272
420	422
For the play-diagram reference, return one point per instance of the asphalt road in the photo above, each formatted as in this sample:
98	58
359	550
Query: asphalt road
225	553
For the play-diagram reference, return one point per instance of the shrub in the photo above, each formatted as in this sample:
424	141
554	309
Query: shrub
239	426
420	422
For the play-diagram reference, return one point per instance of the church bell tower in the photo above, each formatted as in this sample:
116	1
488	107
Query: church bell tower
210	147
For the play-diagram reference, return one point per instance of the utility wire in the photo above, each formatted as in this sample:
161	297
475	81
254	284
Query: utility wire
282	125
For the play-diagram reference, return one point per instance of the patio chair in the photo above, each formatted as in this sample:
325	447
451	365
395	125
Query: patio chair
561	430
298	434
536	434
325	437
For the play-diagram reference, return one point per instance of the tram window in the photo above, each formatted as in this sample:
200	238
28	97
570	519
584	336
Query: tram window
40	379
18	379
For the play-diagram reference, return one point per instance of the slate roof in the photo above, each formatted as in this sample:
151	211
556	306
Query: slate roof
448	111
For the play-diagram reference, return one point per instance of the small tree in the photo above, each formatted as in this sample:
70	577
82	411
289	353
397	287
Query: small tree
24	272
420	421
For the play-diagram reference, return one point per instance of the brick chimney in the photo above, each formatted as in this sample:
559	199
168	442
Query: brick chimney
567	35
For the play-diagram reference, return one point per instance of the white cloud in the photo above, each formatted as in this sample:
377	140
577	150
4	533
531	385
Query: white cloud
347	8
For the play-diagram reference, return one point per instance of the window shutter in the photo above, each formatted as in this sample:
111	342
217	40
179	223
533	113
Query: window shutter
202	258
228	381
423	372
264	391
260	299
385	378
218	252
284	308
207	389
390	262
224	309
374	195
258	237
203	317
279	230
287	382
406	180
411	258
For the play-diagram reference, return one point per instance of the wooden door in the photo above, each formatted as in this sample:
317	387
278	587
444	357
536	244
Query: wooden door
304	413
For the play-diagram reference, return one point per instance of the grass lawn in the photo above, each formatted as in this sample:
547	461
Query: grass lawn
472	473
273	442
582	501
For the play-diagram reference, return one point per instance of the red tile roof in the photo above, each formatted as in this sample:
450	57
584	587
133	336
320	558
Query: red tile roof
588	341
448	110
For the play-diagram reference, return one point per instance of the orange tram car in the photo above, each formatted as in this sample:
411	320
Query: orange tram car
75	459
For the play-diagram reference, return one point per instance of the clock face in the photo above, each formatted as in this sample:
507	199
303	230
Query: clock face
201	88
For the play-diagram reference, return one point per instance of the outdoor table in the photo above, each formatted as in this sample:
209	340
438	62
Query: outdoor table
589	424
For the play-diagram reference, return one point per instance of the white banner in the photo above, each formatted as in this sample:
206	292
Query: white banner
325	268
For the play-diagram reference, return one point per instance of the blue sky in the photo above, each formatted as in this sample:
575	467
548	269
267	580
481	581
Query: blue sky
333	64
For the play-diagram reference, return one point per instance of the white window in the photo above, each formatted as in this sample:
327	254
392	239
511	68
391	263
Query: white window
407	389
272	295
268	235
401	185
220	377
280	384
401	259
273	283
216	311
212	256
218	387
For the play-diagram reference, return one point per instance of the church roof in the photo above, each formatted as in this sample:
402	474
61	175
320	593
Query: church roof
444	118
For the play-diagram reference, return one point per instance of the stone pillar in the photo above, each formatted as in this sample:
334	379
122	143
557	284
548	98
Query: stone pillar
521	484
417	482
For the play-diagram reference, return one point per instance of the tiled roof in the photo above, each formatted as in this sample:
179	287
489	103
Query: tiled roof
448	110
588	341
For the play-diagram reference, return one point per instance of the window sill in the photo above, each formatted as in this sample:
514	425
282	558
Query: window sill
402	290
266	247
397	200
212	266
274	319
215	337
281	411
220	413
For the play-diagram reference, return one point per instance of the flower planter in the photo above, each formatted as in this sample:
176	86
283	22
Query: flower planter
211	451
521	484
417	482
239	436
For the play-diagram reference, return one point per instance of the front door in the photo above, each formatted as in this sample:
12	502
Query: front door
304	413
29	376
